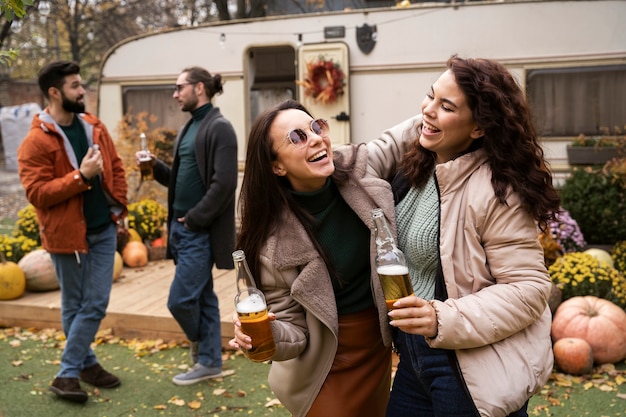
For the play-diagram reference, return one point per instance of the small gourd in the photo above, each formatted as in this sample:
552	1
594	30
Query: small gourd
12	280
118	266
135	254
573	355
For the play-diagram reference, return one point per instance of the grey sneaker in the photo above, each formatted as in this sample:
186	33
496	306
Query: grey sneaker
193	350
197	373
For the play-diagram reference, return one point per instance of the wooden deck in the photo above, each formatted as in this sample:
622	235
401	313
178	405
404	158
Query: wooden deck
137	309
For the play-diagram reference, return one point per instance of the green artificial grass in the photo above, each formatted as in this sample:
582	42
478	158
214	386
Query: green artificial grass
30	360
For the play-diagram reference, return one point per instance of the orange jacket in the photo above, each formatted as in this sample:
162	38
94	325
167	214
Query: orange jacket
49	174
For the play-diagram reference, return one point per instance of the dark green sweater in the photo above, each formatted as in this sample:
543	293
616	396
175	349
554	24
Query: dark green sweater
189	186
346	242
95	206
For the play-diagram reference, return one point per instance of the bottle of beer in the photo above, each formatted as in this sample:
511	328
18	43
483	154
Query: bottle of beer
252	312
145	160
391	264
242	271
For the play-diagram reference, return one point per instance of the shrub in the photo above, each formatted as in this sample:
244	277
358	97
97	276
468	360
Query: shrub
147	218
618	254
596	198
27	224
565	231
580	274
551	248
15	247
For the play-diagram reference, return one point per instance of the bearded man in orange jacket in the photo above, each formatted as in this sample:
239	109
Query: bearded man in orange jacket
75	179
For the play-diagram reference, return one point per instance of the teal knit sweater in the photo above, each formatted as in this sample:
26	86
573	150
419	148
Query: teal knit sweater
418	229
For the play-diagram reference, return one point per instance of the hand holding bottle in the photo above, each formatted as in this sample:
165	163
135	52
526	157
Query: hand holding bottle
414	315
253	318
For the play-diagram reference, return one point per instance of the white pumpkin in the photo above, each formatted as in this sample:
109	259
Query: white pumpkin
39	271
601	255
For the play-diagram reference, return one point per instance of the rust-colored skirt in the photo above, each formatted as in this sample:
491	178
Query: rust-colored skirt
359	380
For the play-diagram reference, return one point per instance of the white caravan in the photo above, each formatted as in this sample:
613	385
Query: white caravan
569	56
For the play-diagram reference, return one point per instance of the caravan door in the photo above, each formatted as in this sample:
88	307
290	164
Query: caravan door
331	104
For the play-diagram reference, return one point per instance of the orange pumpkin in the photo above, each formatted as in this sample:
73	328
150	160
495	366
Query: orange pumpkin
12	280
39	271
573	355
135	254
599	322
158	243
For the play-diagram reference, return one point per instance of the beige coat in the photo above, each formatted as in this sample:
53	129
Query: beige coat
298	290
501	333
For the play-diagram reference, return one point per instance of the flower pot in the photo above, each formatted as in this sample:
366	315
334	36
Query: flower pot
590	155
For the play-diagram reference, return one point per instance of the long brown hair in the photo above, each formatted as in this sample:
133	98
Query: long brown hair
265	195
515	156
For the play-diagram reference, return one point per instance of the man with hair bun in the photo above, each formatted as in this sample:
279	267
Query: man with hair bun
201	217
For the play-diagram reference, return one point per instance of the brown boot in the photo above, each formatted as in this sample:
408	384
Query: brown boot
68	389
97	376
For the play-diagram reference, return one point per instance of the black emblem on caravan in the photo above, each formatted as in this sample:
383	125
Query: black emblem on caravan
366	38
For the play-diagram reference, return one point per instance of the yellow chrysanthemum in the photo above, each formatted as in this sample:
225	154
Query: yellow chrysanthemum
579	274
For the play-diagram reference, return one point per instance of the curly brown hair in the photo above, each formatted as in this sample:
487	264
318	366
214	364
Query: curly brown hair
515	156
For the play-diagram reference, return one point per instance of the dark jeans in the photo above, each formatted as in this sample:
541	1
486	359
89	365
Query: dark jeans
85	281
425	384
192	300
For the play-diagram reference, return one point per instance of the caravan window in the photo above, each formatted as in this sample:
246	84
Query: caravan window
157	101
571	101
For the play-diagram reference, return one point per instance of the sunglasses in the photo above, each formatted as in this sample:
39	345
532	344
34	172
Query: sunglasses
179	87
299	137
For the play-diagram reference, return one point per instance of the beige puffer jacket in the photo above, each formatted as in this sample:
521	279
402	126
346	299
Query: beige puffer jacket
496	317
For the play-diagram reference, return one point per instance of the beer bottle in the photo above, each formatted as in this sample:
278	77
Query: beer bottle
391	264
145	160
252	312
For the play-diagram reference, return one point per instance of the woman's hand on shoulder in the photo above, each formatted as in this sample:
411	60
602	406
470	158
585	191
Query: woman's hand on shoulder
414	315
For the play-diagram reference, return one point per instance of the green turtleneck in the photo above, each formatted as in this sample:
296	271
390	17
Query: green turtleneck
346	242
95	204
189	187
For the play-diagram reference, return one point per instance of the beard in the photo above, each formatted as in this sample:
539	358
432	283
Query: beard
191	104
72	106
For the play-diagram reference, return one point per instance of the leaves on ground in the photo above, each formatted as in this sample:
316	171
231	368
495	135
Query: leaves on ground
147	350
605	378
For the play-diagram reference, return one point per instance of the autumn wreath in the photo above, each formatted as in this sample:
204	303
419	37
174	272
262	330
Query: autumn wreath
324	81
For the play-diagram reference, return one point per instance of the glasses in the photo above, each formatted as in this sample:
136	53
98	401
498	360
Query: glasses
179	87
299	137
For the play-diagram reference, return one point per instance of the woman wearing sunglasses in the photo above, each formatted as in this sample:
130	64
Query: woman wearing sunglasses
305	229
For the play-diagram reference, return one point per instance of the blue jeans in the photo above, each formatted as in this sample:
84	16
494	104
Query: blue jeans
425	384
85	281
192	301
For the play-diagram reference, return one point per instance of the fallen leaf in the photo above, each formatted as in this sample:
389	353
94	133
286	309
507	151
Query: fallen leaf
218	391
17	363
160	407
241	393
15	343
176	401
272	403
194	405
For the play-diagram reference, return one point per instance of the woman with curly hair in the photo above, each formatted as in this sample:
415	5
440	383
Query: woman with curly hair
471	187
